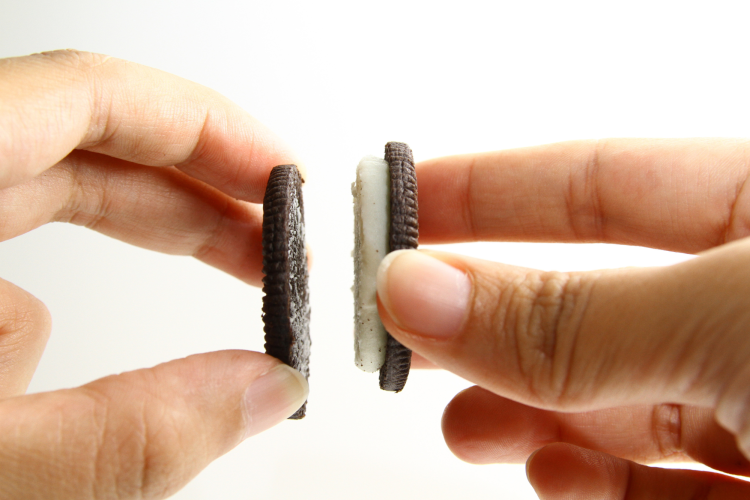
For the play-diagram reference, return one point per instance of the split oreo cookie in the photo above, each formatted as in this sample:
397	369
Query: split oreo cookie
286	303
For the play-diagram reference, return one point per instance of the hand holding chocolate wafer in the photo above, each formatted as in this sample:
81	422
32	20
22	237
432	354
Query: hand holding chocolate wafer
596	370
165	164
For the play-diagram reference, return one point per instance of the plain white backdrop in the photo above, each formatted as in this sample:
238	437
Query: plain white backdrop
337	80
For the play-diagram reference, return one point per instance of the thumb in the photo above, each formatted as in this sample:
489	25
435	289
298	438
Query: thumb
142	434
577	341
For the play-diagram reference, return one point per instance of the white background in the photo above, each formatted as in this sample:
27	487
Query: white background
338	80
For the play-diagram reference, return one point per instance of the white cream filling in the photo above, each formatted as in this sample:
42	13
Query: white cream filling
371	193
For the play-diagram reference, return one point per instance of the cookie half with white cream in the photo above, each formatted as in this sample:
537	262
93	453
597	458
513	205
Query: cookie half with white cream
385	220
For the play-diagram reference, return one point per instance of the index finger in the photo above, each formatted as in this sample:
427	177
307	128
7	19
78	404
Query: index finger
682	195
55	102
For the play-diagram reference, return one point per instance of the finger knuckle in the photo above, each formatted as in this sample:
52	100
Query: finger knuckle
541	314
666	428
584	201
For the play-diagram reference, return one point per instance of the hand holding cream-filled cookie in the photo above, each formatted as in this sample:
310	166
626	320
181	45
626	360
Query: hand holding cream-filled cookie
385	219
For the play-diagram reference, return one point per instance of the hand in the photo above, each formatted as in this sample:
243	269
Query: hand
162	163
615	366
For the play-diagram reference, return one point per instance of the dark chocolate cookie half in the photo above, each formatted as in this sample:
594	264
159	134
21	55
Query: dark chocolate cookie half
286	303
404	234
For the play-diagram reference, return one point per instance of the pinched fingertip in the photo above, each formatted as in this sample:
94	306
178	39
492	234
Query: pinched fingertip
273	397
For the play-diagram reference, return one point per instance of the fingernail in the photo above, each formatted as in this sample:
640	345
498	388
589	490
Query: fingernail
273	397
422	294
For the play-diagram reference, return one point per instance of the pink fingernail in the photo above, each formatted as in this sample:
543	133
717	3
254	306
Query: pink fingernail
422	294
273	397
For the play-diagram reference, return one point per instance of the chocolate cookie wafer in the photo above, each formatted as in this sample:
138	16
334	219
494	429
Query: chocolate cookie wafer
404	235
286	304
